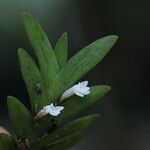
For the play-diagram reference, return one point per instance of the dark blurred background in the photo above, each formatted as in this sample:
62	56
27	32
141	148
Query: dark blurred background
125	112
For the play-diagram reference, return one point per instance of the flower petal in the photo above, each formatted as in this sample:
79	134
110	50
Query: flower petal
79	94
54	113
84	83
59	108
79	89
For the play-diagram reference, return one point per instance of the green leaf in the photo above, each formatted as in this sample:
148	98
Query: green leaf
65	143
7	142
76	104
43	49
71	128
21	119
39	94
31	76
61	50
80	64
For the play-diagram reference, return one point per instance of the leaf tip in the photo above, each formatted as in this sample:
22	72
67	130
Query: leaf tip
96	116
114	38
26	17
25	14
19	50
107	88
104	89
65	34
9	100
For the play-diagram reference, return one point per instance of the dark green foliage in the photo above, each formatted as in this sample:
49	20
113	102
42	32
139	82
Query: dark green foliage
21	119
43	49
46	82
69	129
65	143
31	76
7	142
61	50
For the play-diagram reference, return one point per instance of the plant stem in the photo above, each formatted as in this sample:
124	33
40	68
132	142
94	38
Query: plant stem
23	145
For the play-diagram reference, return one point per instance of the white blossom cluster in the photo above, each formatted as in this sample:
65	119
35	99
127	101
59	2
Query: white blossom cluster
81	89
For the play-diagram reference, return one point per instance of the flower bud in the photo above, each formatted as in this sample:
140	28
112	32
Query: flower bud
4	131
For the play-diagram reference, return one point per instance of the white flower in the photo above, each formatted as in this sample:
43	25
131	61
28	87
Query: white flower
49	109
79	89
52	110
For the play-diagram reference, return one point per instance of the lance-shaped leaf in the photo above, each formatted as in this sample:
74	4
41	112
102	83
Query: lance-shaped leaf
43	49
31	76
80	64
76	104
7	142
39	94
21	119
61	50
71	128
63	144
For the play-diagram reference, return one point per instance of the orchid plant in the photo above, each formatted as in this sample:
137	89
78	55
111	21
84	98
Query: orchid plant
54	96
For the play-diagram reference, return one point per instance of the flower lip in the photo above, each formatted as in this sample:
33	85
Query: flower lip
52	110
81	89
49	109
